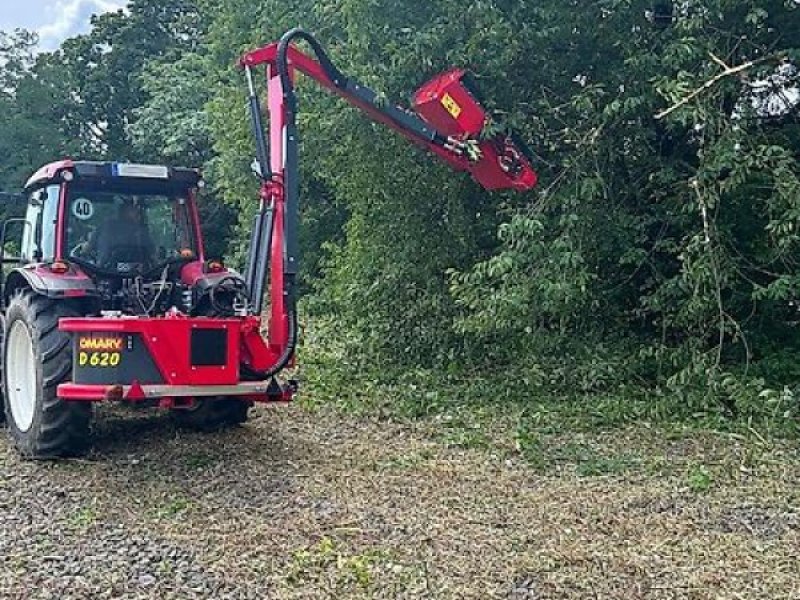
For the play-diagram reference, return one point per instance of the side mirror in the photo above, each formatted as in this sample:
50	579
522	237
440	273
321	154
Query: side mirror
38	197
14	246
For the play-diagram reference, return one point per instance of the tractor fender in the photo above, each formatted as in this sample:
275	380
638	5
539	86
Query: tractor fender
42	280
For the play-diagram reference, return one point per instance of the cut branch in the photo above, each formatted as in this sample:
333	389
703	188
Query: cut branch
727	72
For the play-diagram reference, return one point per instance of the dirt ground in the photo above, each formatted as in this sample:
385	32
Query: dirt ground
302	504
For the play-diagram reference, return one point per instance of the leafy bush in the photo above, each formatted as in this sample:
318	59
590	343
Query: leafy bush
659	251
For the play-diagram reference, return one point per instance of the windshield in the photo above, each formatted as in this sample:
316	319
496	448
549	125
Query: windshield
127	233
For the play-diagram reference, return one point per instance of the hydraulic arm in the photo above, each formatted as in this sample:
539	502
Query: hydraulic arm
447	119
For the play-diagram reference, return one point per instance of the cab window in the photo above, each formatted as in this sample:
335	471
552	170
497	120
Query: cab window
126	232
39	233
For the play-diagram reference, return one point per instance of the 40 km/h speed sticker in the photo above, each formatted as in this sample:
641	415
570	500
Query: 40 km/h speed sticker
83	209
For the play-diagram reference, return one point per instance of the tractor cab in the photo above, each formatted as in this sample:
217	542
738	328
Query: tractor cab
125	235
112	219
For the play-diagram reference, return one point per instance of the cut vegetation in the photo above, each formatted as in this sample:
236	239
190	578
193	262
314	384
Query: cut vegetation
305	503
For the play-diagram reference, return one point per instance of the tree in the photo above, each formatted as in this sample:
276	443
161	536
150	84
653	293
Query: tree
102	69
30	112
660	245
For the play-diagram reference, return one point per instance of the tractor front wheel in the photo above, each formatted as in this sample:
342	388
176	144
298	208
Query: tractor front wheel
37	357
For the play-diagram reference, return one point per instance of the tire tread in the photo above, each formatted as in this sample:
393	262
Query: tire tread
62	428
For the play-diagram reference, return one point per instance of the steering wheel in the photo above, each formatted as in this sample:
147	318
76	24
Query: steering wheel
77	250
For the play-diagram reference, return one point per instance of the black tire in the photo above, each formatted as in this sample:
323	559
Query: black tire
55	428
2	391
213	414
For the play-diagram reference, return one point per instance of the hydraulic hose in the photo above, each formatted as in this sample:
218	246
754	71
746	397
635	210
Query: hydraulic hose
404	120
288	352
257	127
335	75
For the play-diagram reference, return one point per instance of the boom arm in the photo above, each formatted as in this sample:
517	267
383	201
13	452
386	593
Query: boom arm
449	122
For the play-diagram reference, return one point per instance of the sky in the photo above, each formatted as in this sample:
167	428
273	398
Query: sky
54	20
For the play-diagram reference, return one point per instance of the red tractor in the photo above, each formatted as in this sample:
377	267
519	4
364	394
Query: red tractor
113	298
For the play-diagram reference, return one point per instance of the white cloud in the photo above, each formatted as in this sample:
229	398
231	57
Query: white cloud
71	17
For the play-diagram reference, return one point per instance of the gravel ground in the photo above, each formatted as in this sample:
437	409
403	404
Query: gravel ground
302	504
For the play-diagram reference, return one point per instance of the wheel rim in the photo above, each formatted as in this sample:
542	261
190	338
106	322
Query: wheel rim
21	376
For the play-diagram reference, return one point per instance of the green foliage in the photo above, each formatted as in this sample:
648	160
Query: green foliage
30	110
676	233
102	70
699	479
658	252
327	562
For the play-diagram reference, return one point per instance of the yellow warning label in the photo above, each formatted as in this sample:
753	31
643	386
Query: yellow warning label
451	106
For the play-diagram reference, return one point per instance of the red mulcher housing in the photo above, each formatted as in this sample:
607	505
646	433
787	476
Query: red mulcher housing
113	298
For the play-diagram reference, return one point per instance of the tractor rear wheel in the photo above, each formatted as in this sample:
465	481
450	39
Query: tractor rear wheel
212	414
37	357
2	393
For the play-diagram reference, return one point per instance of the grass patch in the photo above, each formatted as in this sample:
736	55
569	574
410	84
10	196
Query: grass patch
175	507
327	561
423	394
462	434
512	417
404	462
699	479
545	452
200	461
598	466
165	567
83	518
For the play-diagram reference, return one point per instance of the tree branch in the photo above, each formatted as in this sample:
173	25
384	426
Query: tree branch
727	72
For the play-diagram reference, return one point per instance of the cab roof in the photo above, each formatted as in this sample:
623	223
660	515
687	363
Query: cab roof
88	171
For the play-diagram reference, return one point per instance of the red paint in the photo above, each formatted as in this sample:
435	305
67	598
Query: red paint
48	172
428	102
278	326
74	282
135	393
256	354
74	392
167	339
192	272
198	231
447	103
